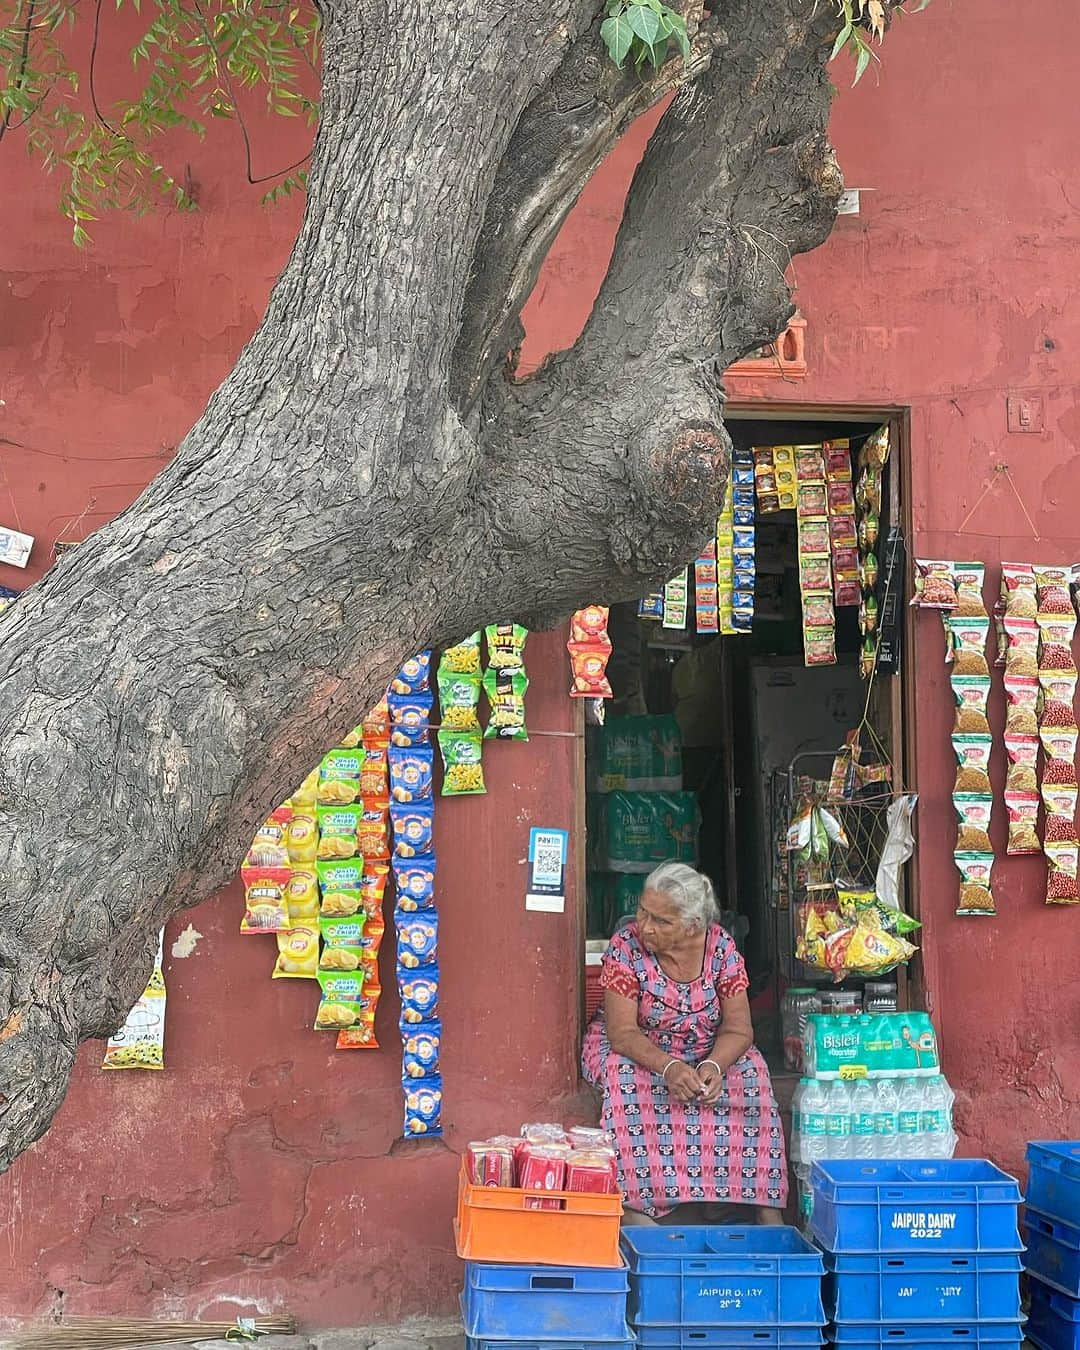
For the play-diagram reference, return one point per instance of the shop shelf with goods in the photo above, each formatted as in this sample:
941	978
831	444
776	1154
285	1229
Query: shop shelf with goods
919	1251
723	1281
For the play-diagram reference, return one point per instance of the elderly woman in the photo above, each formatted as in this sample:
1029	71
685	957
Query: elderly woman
686	1094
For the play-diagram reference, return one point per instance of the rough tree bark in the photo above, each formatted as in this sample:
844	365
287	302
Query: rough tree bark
370	481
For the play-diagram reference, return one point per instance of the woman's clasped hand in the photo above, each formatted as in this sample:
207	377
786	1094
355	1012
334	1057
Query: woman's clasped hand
688	1084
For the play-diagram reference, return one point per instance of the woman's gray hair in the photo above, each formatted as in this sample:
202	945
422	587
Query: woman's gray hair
691	892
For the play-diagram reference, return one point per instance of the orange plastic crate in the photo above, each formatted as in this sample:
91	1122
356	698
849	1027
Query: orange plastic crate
494	1225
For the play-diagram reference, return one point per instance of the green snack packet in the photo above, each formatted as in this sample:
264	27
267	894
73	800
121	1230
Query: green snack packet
338	826
339	776
459	696
340	1006
505	690
506	646
340	880
463	772
342	948
462	659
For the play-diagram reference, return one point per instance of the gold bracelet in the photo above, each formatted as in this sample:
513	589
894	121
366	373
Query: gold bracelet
712	1062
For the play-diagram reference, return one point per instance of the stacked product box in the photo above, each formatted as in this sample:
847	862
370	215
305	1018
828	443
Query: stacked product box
723	1287
1052	1220
923	1252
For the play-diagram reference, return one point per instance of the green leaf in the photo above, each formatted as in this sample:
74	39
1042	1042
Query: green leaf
618	36
861	63
79	237
644	23
841	41
678	32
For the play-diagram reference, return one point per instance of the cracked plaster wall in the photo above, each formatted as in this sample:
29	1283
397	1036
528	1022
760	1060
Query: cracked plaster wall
261	1168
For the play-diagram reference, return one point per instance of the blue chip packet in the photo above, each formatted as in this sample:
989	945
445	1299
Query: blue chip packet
414	675
420	1049
414	881
414	825
417	938
423	1105
419	992
411	768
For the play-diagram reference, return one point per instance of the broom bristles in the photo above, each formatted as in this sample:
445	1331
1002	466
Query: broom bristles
107	1333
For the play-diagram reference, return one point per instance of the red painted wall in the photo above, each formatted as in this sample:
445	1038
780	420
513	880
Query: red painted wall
262	1168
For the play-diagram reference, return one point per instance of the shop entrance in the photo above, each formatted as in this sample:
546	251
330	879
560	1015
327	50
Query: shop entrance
712	738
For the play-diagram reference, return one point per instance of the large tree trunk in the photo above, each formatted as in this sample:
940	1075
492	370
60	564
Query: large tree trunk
370	481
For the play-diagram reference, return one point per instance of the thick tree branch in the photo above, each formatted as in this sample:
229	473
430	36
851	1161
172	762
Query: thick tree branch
564	135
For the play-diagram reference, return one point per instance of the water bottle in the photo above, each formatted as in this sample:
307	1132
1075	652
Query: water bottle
909	1118
805	1196
812	1117
886	1113
838	1120
797	1120
863	1110
935	1122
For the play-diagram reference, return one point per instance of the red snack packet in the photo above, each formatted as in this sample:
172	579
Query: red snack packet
588	664
543	1170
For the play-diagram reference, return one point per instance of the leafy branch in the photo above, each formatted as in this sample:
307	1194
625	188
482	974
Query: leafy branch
643	30
189	62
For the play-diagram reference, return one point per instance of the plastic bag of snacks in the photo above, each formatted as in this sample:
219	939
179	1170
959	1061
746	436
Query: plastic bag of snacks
418	939
414	828
268	848
459	697
298	954
590	648
420	1045
423	1106
419	995
505	690
462	659
302	895
339	777
411	772
341	942
339	1006
266	908
340	882
414	882
338	830
140	1042
412	678
463	771
506	646
934	585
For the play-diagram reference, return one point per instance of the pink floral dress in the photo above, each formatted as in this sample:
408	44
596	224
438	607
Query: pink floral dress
669	1153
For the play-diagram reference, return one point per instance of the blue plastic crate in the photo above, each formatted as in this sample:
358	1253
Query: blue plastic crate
998	1335
919	1289
718	1277
962	1205
544	1303
1054	1178
1053	1252
476	1343
730	1338
1053	1318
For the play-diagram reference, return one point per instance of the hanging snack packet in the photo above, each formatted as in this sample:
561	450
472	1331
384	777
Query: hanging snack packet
341	945
340	886
339	777
360	1036
373	830
418	936
411	772
590	624
419	996
373	887
423	1106
463	772
338	826
588	664
298	953
786	478
934	585
975	894
414	882
265	907
339	1006
412	678
506	645
268	848
140	1042
420	1046
1023	812
302	895
505	691
352	739
376	726
459	696
375	774
462	659
414	827
410	718
302	836
370	943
